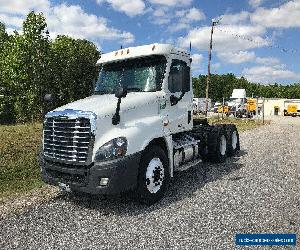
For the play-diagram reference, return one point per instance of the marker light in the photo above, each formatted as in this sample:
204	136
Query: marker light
104	181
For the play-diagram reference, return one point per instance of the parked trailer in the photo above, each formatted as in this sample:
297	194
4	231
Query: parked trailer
135	131
251	107
199	105
292	108
223	109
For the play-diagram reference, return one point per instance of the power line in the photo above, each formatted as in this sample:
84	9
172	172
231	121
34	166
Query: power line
253	40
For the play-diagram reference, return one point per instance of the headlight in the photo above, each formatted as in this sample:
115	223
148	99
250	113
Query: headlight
113	149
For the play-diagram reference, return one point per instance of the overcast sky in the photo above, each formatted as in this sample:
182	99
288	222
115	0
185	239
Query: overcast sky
258	39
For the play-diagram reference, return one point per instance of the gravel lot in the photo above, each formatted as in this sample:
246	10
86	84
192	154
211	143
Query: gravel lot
256	192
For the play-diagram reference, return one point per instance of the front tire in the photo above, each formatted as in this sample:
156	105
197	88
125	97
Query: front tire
154	176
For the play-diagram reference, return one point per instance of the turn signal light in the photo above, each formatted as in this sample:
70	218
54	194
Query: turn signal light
104	181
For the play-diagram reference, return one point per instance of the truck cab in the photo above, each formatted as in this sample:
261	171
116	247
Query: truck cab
135	130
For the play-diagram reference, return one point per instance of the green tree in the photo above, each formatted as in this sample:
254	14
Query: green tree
13	74
37	44
31	66
24	67
222	86
74	68
3	40
196	87
5	105
3	36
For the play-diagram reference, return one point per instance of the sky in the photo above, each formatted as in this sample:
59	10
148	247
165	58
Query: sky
257	39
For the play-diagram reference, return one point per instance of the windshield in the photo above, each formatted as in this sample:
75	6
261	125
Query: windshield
236	99
139	75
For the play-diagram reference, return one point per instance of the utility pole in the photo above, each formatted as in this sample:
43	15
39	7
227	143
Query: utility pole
263	114
223	102
256	110
213	24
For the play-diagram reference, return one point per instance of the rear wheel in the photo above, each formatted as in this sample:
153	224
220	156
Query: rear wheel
154	176
233	142
217	144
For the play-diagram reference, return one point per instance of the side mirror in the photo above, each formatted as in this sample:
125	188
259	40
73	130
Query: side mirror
49	98
173	100
48	103
121	92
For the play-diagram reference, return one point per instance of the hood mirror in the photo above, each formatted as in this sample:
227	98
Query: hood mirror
49	100
121	92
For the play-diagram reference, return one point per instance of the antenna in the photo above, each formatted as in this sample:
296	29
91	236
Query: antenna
191	52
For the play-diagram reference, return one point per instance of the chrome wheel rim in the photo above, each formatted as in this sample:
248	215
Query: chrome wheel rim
155	175
223	145
234	140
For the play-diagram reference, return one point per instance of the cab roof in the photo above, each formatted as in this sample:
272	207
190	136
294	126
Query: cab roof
141	51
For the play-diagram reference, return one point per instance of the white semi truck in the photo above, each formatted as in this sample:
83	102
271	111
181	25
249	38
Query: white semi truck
238	103
135	131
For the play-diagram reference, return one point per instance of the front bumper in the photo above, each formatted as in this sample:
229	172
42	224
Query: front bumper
122	174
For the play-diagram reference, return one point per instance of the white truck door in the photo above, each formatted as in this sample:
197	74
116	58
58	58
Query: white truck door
179	81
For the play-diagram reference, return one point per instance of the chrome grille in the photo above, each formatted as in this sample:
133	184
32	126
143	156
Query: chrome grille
67	139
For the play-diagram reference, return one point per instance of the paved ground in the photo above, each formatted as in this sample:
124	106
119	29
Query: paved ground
256	192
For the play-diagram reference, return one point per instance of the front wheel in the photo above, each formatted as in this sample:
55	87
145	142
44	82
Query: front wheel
154	176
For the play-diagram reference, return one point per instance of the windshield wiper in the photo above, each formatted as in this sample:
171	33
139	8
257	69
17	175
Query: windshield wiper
134	89
100	92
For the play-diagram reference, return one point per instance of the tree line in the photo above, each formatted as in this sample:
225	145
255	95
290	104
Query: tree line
32	65
221	86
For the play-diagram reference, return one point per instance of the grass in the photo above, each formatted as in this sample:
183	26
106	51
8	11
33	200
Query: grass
241	123
19	168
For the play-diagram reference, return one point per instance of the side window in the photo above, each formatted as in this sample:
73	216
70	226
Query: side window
179	77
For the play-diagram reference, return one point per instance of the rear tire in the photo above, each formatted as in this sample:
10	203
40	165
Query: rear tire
217	144
201	134
238	114
154	176
233	141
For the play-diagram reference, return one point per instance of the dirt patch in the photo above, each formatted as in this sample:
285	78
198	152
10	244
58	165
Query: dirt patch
19	204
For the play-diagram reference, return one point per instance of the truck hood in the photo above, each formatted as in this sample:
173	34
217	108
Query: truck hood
105	105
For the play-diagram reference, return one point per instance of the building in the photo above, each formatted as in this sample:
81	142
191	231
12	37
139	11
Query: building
275	106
